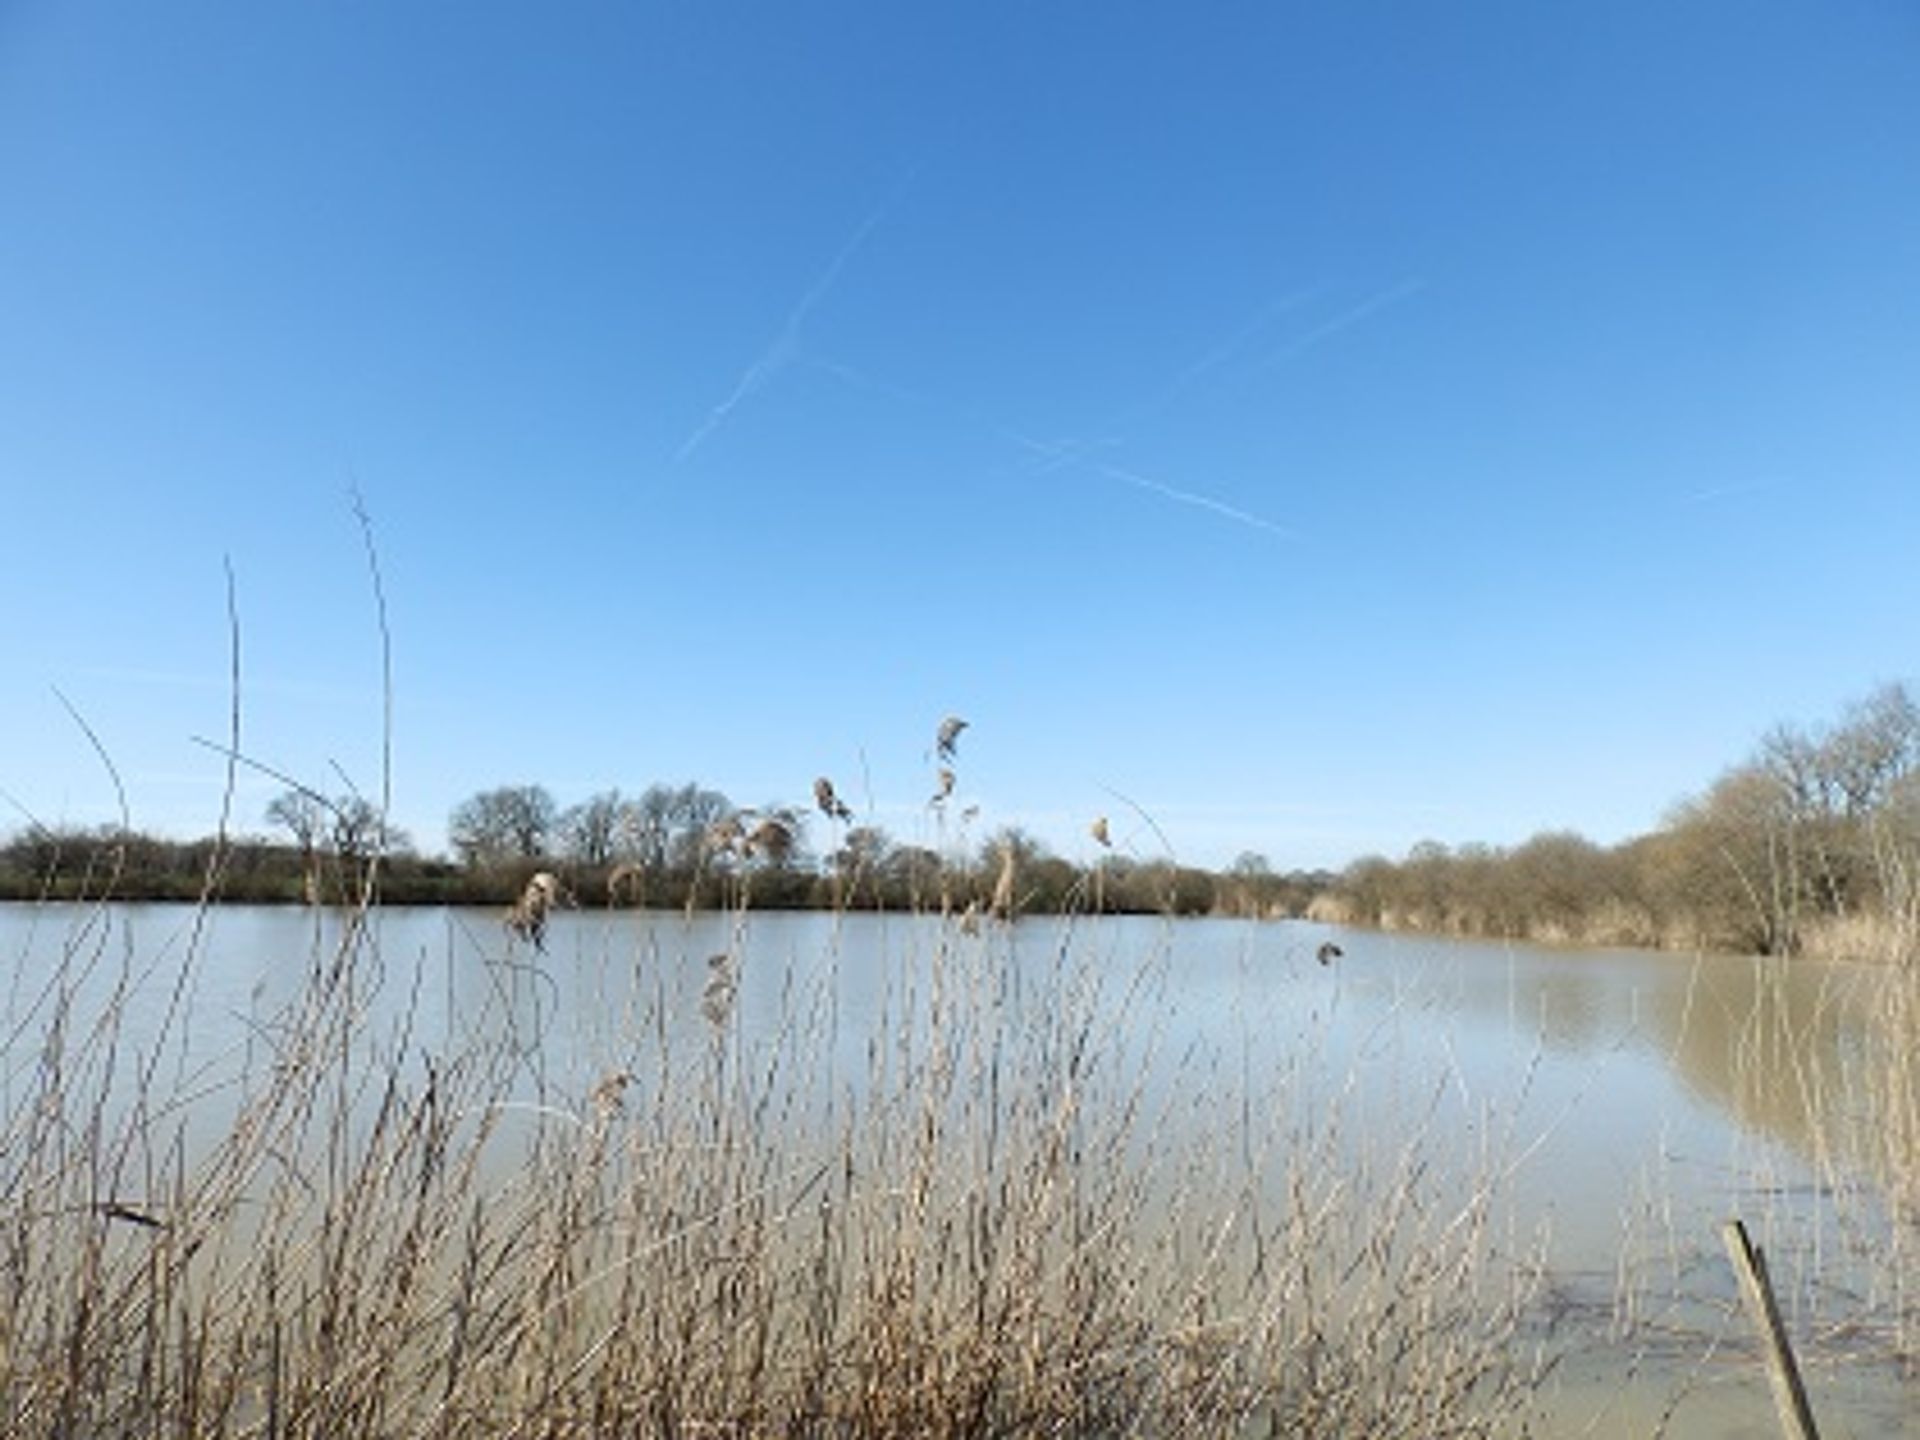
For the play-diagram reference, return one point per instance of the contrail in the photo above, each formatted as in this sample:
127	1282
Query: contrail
1346	320
861	380
1054	455
1191	497
785	345
1725	492
771	362
1071	452
1219	355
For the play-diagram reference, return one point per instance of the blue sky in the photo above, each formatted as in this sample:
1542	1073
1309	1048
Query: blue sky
1317	428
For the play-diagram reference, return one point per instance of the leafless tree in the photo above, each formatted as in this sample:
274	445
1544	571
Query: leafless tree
496	827
591	832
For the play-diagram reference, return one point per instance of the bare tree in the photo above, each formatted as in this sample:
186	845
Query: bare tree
691	812
302	814
863	850
496	827
591	832
359	830
1876	744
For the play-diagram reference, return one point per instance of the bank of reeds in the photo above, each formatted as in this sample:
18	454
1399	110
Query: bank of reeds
1837	1069
1006	1223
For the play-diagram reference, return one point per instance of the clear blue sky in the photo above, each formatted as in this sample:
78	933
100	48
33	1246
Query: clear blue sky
1327	427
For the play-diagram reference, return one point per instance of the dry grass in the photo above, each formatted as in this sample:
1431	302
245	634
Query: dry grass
1004	1226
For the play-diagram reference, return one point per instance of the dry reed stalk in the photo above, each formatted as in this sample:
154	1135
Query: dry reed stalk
1000	906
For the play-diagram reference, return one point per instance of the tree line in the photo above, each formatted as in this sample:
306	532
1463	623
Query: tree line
667	846
1811	842
677	845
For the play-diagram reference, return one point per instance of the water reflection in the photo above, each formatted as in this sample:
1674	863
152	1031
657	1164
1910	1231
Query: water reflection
1772	1048
1777	1045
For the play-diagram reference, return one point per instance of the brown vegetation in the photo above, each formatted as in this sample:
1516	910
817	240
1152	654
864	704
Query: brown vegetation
1810	845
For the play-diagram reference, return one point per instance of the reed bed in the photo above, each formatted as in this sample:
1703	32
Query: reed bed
1002	1222
1837	1068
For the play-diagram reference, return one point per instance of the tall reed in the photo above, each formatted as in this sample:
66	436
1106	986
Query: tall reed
1004	1222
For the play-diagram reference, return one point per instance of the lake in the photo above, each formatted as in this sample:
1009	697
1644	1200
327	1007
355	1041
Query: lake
1625	1103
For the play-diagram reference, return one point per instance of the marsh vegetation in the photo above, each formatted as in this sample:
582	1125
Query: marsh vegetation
402	1173
916	1165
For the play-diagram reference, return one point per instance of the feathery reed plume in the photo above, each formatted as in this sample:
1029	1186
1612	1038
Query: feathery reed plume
609	1097
945	782
528	916
723	836
628	873
1328	953
716	1000
831	805
1001	906
948	737
772	837
1098	829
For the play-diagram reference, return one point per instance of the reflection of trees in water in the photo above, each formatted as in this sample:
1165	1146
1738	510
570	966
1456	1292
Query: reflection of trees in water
1577	1009
1778	1045
1575	1003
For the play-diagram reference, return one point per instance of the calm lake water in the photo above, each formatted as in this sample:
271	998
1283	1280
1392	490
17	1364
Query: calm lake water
1633	1101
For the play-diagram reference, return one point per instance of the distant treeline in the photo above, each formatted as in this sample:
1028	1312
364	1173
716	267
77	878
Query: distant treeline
727	861
1813	841
110	863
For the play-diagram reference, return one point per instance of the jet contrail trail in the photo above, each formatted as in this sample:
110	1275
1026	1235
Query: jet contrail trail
1192	497
1072	452
1219	355
1724	492
1059	454
1346	319
785	345
771	362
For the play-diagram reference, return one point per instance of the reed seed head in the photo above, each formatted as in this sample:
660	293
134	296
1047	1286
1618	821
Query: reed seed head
831	805
948	736
528	916
772	838
724	835
716	999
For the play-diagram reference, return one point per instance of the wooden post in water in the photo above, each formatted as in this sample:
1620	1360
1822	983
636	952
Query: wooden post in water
1789	1395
